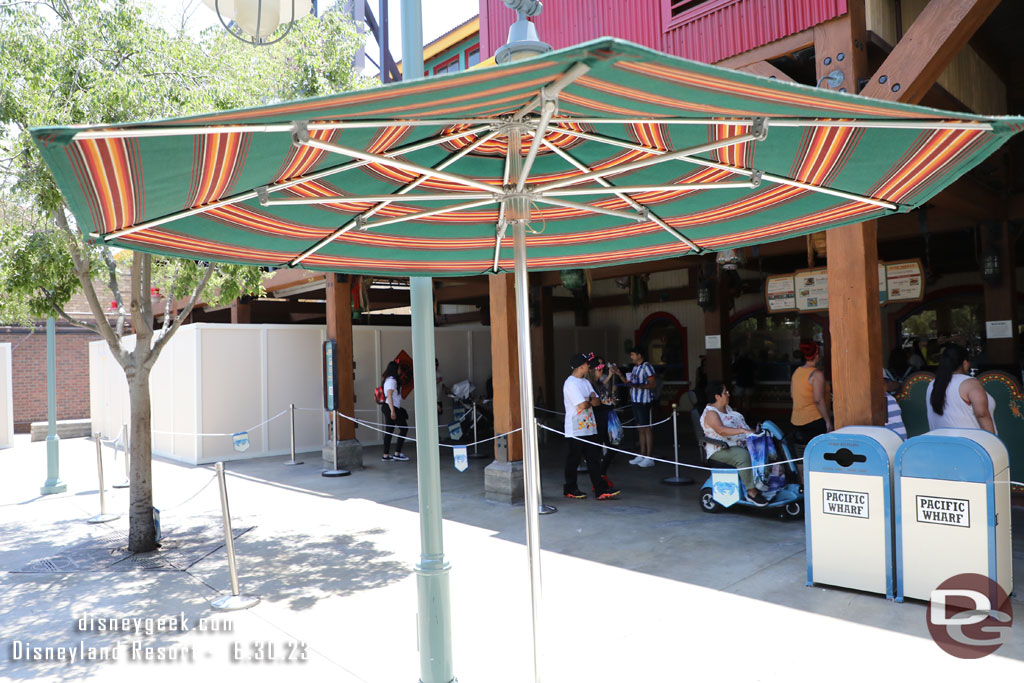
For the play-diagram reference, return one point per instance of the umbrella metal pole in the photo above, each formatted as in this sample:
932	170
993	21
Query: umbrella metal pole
434	614
432	571
291	428
676	480
531	460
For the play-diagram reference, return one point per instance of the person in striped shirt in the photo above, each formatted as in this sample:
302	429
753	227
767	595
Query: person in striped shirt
894	416
641	384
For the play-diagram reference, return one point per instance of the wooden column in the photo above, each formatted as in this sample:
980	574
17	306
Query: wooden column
1001	293
716	322
505	364
241	311
339	329
855	314
546	361
855	324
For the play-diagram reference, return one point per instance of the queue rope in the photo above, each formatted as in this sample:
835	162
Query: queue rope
667	462
367	423
624	426
267	421
409	438
201	489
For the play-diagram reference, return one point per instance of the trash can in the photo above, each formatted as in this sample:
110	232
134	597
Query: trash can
848	495
953	497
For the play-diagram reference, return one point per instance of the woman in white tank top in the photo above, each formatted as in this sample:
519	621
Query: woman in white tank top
960	402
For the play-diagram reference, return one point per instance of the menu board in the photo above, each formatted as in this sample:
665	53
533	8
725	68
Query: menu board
905	281
780	293
811	290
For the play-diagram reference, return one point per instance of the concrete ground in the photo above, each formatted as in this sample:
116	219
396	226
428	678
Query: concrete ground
643	588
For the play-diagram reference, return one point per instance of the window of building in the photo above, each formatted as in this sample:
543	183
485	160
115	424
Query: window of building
448	67
472	56
677	12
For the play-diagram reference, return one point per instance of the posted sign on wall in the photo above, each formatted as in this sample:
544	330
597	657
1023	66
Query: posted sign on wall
807	290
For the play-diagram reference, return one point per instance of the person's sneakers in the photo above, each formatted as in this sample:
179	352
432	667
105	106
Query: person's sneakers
646	462
385	457
637	460
400	456
756	498
582	468
575	494
609	494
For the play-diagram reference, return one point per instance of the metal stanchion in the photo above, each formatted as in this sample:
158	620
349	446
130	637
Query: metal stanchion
124	451
291	426
676	480
235	601
335	472
475	444
542	508
104	516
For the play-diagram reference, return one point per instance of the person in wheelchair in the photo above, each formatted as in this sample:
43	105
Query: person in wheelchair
721	422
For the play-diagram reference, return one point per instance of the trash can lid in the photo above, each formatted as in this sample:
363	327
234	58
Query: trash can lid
954	455
853	450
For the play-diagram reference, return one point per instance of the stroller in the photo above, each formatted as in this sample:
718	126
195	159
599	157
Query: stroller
788	501
471	420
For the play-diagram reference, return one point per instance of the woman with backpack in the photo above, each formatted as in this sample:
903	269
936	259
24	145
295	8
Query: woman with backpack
395	416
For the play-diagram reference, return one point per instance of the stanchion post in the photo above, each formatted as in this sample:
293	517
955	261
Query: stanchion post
475	444
103	516
542	508
235	601
291	432
676	480
335	472
124	451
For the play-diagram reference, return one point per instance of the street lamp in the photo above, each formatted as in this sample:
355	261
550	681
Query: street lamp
523	41
257	20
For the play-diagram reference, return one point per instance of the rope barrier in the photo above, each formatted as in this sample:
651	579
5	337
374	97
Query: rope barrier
667	462
624	425
412	439
267	421
201	489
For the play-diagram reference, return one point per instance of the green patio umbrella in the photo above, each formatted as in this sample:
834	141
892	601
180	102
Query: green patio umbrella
602	153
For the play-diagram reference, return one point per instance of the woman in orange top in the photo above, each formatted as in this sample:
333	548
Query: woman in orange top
811	415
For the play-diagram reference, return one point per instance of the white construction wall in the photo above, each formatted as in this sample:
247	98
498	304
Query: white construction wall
213	380
6	397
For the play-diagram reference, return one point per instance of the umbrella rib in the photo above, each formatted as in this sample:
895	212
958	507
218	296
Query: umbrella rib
795	123
781	180
277	187
357	221
551	91
637	217
629	200
643	163
340	199
633	189
171	131
431	212
502	224
302	138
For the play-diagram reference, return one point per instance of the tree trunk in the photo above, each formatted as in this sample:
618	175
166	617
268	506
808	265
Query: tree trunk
141	529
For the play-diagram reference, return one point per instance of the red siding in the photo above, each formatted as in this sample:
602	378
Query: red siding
718	29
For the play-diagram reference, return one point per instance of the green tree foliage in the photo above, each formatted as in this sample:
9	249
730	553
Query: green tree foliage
107	61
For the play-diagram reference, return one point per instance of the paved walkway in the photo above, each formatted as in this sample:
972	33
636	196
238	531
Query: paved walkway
644	588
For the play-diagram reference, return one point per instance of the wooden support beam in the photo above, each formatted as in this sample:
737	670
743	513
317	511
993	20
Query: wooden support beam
505	364
855	315
548	382
779	48
855	324
288	278
476	291
339	329
241	311
942	29
1001	294
716	322
552	278
765	69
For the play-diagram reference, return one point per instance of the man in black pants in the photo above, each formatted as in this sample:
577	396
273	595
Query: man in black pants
580	399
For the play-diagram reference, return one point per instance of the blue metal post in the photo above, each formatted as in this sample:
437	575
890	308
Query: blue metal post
432	572
53	483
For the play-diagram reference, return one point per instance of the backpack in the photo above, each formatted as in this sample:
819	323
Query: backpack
379	395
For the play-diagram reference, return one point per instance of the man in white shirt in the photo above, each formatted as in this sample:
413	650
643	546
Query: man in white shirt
580	429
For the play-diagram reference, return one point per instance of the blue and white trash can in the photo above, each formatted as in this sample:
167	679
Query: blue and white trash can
953	510
848	496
